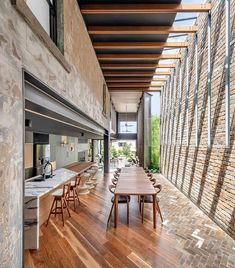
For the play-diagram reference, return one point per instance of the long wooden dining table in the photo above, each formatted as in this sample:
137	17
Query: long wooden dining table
134	181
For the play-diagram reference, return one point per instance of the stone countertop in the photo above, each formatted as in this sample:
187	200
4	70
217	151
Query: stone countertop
40	188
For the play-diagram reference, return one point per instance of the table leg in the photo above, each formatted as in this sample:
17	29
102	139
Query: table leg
154	210
115	210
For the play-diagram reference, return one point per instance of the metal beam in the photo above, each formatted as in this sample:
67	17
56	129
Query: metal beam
227	73
136	45
141	29
187	97
180	100
209	73
196	91
142	8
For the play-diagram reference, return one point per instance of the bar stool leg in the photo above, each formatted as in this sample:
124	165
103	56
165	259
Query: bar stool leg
74	200
62	210
50	211
77	196
55	208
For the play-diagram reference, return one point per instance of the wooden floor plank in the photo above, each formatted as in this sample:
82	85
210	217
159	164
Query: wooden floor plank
85	240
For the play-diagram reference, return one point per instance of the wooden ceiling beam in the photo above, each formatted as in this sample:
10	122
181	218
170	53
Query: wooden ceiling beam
135	79
142	8
135	74
136	45
137	56
117	89
121	66
138	84
141	29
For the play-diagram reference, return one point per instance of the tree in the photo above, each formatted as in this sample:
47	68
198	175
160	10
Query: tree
126	150
113	152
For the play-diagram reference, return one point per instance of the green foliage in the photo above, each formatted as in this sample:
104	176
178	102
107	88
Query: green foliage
125	150
155	144
113	152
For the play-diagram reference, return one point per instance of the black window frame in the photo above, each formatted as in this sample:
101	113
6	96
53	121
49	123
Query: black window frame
53	20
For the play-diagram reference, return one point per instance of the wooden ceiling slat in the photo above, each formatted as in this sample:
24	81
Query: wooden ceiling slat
136	45
120	66
134	89
141	29
142	8
137	74
133	84
135	79
137	56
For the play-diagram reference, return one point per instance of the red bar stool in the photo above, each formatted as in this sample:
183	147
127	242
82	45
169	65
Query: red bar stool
73	194
60	196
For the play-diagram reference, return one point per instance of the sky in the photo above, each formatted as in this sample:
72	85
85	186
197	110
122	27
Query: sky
155	103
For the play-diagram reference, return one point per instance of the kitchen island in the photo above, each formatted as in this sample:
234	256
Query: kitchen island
38	199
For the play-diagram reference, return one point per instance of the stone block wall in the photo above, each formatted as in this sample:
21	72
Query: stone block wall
83	86
205	175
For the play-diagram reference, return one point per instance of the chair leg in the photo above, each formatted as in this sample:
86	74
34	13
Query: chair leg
159	210
142	210
76	192
67	207
62	210
110	213
127	204
74	205
50	211
55	208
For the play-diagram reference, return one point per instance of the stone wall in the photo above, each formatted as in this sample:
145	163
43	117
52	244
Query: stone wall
21	48
204	175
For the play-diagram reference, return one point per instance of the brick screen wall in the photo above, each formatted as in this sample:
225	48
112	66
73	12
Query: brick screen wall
206	176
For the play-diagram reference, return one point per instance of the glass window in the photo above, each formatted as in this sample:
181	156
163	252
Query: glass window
45	12
128	127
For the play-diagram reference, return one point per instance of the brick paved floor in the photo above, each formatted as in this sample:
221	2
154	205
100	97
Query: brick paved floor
201	242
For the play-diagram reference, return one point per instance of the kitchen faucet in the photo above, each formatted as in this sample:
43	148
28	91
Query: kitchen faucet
46	176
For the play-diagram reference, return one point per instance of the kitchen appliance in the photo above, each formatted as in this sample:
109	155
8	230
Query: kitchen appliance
41	157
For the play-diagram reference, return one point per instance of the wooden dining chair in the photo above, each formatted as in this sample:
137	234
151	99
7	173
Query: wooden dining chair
114	182
116	177
122	199
149	199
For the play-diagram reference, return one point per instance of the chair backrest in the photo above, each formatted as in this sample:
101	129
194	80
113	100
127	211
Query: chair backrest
114	181
112	188
77	181
158	188
66	189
